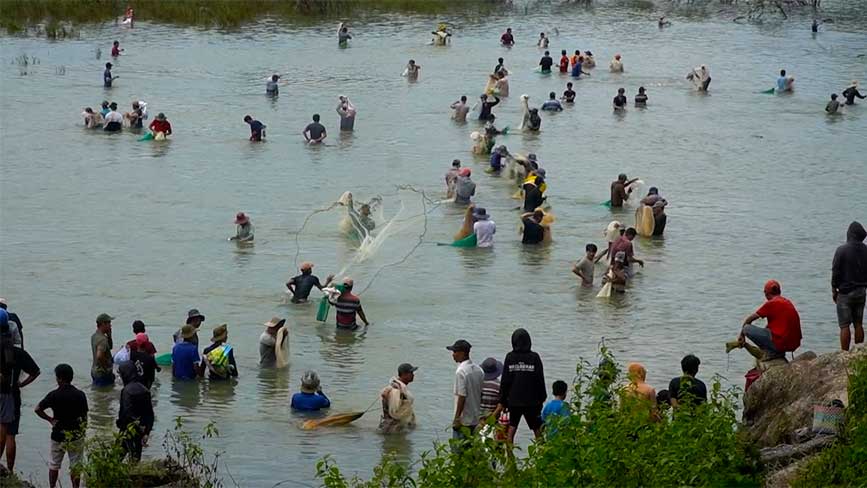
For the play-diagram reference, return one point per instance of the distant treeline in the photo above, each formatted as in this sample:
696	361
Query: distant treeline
17	15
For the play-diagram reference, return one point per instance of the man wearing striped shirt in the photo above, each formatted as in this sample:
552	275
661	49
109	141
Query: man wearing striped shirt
490	386
348	306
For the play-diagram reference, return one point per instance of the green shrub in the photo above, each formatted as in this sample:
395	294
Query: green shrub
610	440
844	463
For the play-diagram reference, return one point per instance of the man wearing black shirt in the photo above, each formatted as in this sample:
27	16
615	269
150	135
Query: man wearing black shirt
534	233
687	389
13	360
546	62
315	132
68	406
301	285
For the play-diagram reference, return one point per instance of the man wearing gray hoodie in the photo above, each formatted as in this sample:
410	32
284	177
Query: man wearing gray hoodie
849	284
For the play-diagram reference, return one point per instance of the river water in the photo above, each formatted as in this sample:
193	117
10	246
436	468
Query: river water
760	187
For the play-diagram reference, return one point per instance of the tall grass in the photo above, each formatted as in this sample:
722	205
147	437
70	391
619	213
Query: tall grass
18	14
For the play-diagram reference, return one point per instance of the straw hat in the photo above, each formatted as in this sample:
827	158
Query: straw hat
275	322
220	333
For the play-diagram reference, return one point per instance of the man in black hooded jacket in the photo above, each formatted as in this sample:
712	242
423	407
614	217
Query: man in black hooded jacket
522	387
849	284
136	415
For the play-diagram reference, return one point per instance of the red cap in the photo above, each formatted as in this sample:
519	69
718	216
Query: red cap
465	172
141	339
772	287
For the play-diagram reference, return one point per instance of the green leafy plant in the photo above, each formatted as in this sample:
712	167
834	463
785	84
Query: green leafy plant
843	464
186	452
611	439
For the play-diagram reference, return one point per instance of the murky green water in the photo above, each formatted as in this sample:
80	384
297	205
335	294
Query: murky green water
760	186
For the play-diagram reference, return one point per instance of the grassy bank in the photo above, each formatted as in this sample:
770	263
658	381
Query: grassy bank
18	15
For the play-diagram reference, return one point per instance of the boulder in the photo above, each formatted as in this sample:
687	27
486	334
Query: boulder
781	401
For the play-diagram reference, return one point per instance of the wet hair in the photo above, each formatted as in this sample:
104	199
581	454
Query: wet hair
275	77
541	34
689	364
411	61
347	286
538	213
315	117
559	388
664	396
577	51
640	89
247	118
90	111
108	65
116	43
621	90
591	247
782	72
105	104
552	95
63	372
833	96
547	53
563	52
138	327
463	98
569	85
112	106
500	60
630	232
456	163
621	177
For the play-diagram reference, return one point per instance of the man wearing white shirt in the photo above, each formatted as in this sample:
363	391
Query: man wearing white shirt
468	391
484	228
113	119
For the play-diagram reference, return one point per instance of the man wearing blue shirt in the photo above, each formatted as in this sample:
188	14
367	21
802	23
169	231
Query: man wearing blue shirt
311	397
186	363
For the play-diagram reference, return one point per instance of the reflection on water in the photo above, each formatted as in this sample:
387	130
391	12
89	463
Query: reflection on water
186	395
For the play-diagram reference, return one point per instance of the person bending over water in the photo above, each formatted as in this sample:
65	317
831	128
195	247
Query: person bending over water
257	129
315	132
243	228
301	285
460	109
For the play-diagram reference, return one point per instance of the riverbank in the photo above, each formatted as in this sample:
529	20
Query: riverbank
19	15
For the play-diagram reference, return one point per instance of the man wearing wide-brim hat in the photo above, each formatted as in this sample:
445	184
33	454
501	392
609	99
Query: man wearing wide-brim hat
268	342
194	318
220	356
186	362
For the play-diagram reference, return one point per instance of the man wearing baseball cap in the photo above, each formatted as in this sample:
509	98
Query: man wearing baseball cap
397	413
301	285
17	329
783	333
101	346
468	391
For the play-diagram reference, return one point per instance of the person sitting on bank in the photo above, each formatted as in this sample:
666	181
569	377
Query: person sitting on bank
783	333
311	397
397	400
348	306
219	357
243	228
301	285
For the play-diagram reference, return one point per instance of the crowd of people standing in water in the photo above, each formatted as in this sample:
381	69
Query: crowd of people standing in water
506	390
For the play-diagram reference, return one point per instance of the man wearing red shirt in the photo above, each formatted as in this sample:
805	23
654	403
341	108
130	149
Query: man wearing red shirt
348	306
507	39
783	333
160	124
624	243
